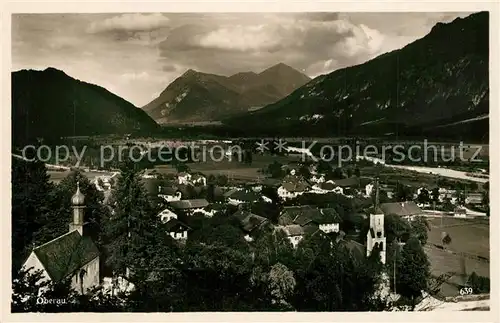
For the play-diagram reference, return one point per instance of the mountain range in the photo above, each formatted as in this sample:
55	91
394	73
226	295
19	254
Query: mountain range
435	86
197	96
50	103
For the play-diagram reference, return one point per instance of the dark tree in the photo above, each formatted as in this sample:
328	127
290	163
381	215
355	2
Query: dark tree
211	192
419	228
337	173
275	170
479	284
181	167
382	197
131	227
331	278
304	171
423	196
485	199
396	228
324	167
403	193
446	239
248	157
460	197
473	186
447	205
29	289
31	203
435	195
222	180
413	270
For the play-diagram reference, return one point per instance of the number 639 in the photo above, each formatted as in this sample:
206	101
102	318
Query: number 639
466	291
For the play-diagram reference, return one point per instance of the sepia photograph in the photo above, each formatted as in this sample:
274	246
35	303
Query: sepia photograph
310	161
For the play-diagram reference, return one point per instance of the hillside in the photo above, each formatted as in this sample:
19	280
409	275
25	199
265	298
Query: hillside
50	103
197	96
435	86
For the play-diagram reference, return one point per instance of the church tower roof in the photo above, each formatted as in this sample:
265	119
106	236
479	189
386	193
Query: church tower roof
78	198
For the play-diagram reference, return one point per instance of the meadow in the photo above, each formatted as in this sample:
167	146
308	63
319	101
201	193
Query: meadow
468	251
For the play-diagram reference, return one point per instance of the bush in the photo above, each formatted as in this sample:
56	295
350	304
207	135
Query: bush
479	284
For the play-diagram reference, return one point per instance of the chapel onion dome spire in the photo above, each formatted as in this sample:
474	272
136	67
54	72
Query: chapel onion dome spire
78	199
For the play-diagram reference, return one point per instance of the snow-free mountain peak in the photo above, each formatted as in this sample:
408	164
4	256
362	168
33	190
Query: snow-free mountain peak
198	96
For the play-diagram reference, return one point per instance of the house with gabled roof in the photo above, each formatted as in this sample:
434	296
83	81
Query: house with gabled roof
327	187
325	219
212	209
293	186
329	221
249	222
72	256
347	186
243	196
231	191
296	232
407	210
176	229
189	206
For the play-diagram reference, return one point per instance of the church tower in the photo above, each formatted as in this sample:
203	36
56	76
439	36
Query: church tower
78	206
376	236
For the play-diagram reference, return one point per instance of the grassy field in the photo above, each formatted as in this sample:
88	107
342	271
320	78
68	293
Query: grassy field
469	237
232	169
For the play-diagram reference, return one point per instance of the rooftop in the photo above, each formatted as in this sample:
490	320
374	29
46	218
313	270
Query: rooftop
64	255
175	225
356	249
294	230
305	214
347	182
249	221
189	204
244	195
401	208
295	186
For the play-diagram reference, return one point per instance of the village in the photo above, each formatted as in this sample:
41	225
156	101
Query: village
353	207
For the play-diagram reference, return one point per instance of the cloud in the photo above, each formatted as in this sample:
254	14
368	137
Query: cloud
135	76
299	40
241	38
137	55
364	42
130	22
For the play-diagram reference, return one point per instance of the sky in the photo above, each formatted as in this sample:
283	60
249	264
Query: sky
136	55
